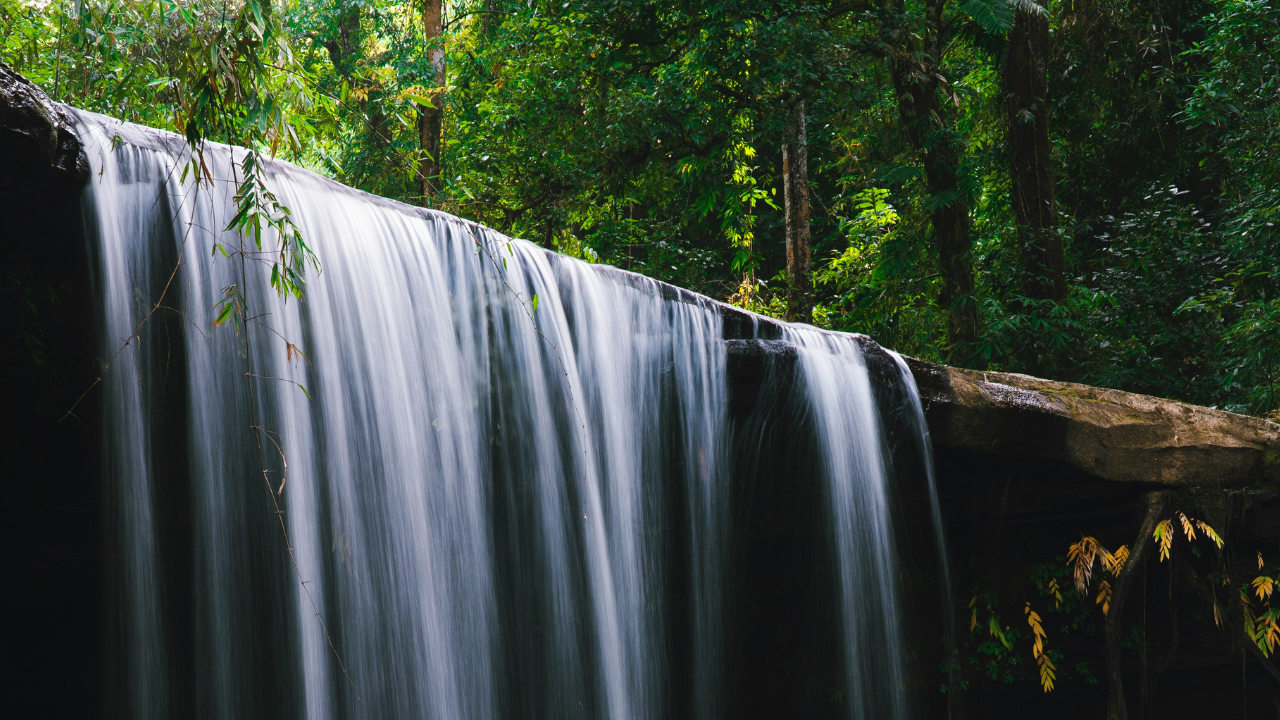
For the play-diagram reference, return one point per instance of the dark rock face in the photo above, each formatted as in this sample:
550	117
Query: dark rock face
1107	434
49	490
1026	466
36	135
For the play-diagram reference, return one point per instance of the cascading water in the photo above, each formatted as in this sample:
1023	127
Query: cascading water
494	508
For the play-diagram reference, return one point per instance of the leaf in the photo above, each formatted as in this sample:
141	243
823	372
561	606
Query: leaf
303	388
1259	559
1104	596
1263	586
1047	672
1164	538
1217	539
1057	594
944	199
1187	528
890	174
423	100
994	626
1116	561
996	16
535	302
1082	555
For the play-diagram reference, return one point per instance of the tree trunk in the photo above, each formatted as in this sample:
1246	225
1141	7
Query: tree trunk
1027	107
1116	707
930	127
795	181
955	251
430	119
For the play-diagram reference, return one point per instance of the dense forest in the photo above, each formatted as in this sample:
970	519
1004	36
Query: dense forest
1084	190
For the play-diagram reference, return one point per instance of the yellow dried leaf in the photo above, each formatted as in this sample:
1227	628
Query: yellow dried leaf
1259	559
1263	585
1081	556
1217	540
1164	538
1117	560
1057	594
1047	672
1104	596
1187	528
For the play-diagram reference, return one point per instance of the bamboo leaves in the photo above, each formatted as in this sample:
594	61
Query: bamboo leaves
1163	534
259	212
1164	538
1081	556
1048	673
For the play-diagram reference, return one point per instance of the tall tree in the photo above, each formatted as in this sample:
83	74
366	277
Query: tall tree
795	180
925	100
431	116
1031	175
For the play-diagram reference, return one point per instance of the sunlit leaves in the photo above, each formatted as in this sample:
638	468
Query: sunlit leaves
1046	667
1164	531
1210	533
1263	586
1056	592
1104	596
230	307
1266	631
1163	537
260	213
1115	561
1081	556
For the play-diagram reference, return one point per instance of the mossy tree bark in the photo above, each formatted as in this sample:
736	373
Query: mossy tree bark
431	117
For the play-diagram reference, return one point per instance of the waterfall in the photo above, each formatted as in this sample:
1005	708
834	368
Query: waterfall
623	500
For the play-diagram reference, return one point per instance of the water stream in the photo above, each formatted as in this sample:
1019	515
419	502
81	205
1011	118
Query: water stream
493	510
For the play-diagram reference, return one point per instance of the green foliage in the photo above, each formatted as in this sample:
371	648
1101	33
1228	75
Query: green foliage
647	135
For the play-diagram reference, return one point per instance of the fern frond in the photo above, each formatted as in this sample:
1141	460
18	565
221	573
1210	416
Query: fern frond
995	16
1031	7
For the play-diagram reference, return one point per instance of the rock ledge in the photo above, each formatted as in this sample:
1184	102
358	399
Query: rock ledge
1110	434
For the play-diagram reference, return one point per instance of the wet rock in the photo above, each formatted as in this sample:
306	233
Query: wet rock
36	139
1109	434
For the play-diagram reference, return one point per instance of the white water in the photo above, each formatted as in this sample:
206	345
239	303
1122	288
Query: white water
497	511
